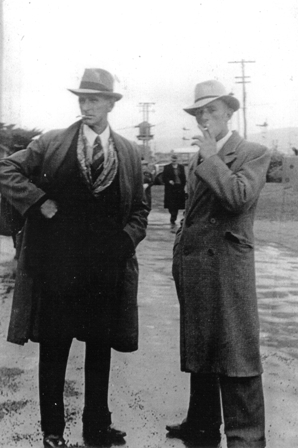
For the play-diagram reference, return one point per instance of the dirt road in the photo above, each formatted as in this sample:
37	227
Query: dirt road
147	388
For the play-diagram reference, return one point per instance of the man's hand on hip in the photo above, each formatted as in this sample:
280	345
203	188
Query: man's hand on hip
49	209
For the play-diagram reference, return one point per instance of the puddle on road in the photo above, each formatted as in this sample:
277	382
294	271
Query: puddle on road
277	298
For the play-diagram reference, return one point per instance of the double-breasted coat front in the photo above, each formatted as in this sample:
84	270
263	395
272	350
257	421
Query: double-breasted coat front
29	175
213	263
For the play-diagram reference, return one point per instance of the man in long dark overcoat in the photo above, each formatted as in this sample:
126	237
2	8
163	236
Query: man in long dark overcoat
174	179
214	270
81	191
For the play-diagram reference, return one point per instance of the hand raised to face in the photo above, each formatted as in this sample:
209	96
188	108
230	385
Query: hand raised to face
205	142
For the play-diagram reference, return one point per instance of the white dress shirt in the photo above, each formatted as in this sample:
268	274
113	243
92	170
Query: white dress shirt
91	136
222	141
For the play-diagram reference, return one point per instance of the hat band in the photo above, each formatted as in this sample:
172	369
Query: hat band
94	86
206	97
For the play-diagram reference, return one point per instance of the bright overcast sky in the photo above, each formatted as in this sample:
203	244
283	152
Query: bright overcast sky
158	50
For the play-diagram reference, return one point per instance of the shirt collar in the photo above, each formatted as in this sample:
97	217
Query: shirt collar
220	143
91	135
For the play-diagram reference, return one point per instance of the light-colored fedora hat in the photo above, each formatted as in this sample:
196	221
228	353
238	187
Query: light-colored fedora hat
208	91
97	81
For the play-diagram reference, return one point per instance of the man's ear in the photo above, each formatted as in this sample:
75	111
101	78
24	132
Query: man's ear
111	104
230	113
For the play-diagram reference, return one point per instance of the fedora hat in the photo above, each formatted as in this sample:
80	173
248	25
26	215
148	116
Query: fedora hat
208	91
97	81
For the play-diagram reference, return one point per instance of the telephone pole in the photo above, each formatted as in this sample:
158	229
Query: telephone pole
146	109
243	82
145	130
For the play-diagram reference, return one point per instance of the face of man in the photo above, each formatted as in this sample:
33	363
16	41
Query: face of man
215	117
95	109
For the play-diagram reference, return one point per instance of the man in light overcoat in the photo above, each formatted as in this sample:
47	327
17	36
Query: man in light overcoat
214	271
81	191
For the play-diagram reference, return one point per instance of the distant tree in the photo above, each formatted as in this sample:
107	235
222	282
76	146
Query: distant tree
13	139
274	173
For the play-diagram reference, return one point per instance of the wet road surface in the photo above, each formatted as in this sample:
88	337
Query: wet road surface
147	388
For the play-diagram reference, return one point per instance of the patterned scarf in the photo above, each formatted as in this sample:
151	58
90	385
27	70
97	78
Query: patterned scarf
109	171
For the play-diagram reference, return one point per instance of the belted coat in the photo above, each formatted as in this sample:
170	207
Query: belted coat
213	263
27	176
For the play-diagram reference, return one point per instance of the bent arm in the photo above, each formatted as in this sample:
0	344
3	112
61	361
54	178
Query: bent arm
17	173
238	190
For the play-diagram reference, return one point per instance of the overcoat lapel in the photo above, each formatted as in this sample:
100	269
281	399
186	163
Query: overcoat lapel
227	154
124	172
228	151
58	152
57	169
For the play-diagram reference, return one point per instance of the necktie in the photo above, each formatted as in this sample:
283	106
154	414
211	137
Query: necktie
97	158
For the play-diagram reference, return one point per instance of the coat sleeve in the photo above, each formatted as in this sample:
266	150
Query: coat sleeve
166	175
237	190
183	176
136	223
17	173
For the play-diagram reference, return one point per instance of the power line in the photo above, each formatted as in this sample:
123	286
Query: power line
243	82
146	109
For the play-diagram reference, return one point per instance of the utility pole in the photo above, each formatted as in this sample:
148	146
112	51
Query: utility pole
243	82
146	109
145	130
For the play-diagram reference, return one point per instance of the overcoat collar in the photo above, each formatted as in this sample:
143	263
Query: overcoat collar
60	150
57	170
227	154
228	151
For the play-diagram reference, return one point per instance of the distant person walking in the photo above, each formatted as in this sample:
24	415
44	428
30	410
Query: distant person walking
147	182
174	179
214	271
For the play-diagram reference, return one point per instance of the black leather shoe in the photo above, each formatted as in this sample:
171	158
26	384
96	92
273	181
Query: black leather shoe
53	441
188	433
104	436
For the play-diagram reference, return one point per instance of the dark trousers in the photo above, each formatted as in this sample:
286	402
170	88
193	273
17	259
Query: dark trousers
52	368
242	405
173	210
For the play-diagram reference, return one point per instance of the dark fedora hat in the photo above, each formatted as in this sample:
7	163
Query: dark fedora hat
97	81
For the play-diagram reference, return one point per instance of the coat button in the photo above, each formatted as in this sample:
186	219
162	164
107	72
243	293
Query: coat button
211	252
187	250
189	222
213	220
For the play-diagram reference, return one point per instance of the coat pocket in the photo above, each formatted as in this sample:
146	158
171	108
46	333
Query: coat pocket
238	239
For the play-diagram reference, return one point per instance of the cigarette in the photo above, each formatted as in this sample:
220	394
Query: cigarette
82	116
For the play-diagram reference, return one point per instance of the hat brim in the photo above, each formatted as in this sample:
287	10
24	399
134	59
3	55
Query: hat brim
116	96
231	101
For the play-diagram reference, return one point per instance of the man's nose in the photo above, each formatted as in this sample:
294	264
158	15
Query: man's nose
85	105
202	115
